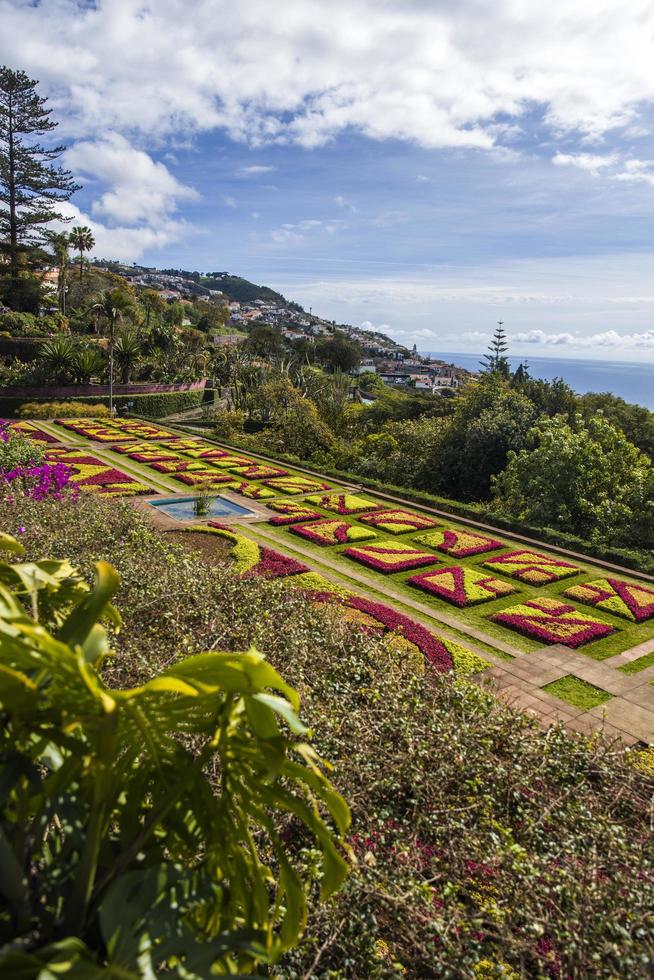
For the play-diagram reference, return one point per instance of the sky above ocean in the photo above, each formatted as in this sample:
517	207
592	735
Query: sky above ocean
426	168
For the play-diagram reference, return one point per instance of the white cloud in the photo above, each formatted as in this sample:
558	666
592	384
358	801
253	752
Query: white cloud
230	201
606	339
306	70
591	162
342	202
253	171
140	189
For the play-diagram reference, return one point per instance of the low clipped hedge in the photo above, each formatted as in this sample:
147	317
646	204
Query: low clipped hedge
152	405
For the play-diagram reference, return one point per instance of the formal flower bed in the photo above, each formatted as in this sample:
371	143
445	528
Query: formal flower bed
251	490
390	557
553	621
252	559
152	455
291	512
29	430
183	466
459	544
397	521
93	476
230	462
329	532
461	586
205	478
343	503
625	599
136	428
206	453
531	567
258	471
296	484
96	431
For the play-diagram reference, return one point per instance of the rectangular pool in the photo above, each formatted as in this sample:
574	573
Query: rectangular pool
183	508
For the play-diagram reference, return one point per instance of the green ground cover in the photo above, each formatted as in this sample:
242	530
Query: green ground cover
578	692
642	663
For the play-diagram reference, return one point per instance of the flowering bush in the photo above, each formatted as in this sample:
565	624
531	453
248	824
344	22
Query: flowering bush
292	513
459	544
37	482
16	450
296	484
390	557
342	503
531	567
461	586
326	532
553	621
397	521
626	599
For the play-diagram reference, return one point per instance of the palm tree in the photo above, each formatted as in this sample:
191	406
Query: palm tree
127	350
57	356
81	238
113	306
60	242
87	362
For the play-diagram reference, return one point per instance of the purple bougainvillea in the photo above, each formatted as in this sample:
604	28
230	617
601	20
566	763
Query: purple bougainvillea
39	482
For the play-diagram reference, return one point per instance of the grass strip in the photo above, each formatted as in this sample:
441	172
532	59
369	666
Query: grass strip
577	692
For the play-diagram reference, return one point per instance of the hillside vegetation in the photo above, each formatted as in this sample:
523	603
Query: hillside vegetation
484	847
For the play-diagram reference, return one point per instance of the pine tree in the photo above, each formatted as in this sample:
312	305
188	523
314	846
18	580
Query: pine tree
496	361
32	187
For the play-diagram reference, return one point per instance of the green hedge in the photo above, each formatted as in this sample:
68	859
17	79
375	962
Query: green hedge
638	560
153	405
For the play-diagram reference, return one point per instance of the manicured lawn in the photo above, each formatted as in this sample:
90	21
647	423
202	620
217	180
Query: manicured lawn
578	692
642	663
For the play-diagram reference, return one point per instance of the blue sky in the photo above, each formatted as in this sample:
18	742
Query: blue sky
427	170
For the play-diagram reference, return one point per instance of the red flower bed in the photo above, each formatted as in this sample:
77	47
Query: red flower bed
461	586
553	621
385	559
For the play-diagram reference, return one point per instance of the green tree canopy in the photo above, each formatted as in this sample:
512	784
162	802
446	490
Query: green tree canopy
587	479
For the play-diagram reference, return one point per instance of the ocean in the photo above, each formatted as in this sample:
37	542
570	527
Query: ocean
633	382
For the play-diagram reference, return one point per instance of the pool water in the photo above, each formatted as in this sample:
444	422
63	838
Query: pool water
183	508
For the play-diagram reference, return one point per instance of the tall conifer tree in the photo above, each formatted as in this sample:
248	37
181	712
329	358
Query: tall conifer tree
32	186
496	361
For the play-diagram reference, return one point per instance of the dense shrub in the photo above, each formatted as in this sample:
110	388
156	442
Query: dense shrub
486	848
62	410
153	405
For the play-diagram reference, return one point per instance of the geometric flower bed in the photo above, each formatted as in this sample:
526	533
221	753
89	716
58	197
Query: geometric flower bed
257	471
342	503
204	478
98	431
29	431
153	455
252	559
397	521
205	453
291	512
184	466
138	429
390	557
461	586
531	567
93	476
634	602
552	621
296	484
251	490
328	532
228	462
459	544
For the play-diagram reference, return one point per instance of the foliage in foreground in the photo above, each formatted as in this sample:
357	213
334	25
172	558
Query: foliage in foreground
145	829
486	849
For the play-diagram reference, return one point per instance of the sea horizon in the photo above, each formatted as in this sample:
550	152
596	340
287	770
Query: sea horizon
627	379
